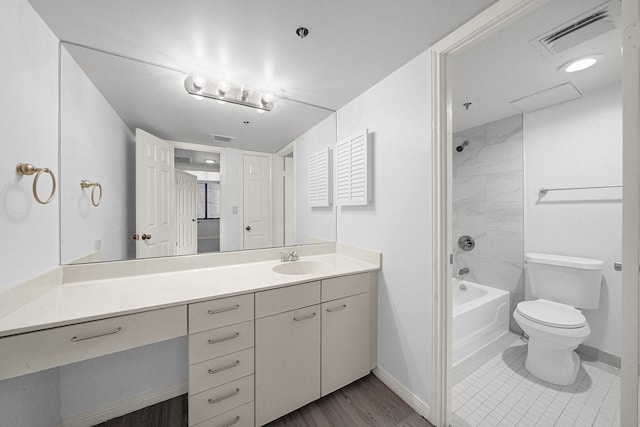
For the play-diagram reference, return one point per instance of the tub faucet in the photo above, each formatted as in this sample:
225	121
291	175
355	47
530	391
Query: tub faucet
463	271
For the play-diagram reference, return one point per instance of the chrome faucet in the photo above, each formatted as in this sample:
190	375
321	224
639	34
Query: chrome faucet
463	271
291	256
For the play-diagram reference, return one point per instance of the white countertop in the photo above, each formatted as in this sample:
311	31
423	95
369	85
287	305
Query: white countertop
97	299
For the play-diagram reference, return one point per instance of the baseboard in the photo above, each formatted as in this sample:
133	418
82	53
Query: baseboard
407	396
593	354
125	406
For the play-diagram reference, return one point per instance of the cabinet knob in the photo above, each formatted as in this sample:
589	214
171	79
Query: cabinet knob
248	228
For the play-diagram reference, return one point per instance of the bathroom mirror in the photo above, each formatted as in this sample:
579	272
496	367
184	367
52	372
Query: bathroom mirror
109	101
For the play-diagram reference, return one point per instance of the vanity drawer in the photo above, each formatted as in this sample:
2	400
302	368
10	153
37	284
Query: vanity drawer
216	401
220	312
241	416
286	299
340	287
212	373
218	342
36	351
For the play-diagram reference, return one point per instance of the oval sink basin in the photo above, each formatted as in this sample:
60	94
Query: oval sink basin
301	267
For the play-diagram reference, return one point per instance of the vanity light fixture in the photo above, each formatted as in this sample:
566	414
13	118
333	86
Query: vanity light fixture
222	92
580	64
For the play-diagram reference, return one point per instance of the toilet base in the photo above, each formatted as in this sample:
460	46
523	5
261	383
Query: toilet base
552	364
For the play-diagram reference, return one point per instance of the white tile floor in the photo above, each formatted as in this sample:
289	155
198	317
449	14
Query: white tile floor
503	393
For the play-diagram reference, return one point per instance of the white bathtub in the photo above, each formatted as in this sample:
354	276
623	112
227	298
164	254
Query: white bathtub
480	316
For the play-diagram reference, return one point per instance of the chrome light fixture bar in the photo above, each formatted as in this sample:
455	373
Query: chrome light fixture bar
225	92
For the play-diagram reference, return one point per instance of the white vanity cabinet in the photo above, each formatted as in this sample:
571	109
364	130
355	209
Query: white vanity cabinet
221	362
346	330
311	339
287	350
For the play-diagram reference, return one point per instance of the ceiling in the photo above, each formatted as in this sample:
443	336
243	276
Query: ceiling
352	45
507	67
196	160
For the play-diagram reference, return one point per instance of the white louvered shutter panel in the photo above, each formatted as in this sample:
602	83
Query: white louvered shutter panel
352	171
319	182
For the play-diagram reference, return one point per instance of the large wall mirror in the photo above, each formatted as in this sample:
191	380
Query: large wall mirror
149	170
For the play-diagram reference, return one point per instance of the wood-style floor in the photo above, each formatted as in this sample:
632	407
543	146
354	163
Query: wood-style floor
366	402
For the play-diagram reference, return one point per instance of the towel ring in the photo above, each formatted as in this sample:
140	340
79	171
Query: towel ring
86	184
29	169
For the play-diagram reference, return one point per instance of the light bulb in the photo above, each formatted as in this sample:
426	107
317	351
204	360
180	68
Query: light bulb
245	93
223	88
268	97
199	82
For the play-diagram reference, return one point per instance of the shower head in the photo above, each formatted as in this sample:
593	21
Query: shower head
459	148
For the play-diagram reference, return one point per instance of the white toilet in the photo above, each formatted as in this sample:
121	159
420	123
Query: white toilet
555	327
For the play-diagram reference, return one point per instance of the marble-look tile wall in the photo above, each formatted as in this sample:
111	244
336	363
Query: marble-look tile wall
488	205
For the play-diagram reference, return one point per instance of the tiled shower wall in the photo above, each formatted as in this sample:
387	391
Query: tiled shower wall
488	205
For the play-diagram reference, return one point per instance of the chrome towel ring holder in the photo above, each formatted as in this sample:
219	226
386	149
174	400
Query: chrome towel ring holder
85	183
29	169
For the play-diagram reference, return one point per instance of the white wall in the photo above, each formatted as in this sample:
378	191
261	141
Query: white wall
579	143
313	224
230	197
97	146
29	123
398	221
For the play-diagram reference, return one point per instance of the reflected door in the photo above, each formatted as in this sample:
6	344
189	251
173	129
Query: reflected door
186	223
257	201
155	197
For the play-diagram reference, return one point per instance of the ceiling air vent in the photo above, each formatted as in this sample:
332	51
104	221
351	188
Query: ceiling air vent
590	24
182	159
221	138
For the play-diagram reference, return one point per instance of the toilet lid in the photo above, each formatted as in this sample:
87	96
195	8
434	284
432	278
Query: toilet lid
551	313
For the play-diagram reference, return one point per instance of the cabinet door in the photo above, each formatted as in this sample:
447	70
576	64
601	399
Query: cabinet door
345	341
287	355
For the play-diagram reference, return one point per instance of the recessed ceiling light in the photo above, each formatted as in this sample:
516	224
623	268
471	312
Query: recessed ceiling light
209	161
580	64
302	32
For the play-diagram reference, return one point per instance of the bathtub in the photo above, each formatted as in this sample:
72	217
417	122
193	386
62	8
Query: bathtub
480	316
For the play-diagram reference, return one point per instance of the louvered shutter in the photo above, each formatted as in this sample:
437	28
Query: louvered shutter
319	178
352	171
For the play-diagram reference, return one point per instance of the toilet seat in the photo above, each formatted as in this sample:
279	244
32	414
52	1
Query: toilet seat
551	314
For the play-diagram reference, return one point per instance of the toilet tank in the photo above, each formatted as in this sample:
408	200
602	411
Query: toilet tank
564	279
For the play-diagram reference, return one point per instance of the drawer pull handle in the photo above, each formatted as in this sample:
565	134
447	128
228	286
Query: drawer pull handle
224	368
226	396
230	337
104	334
332	310
298	319
232	422
223	310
